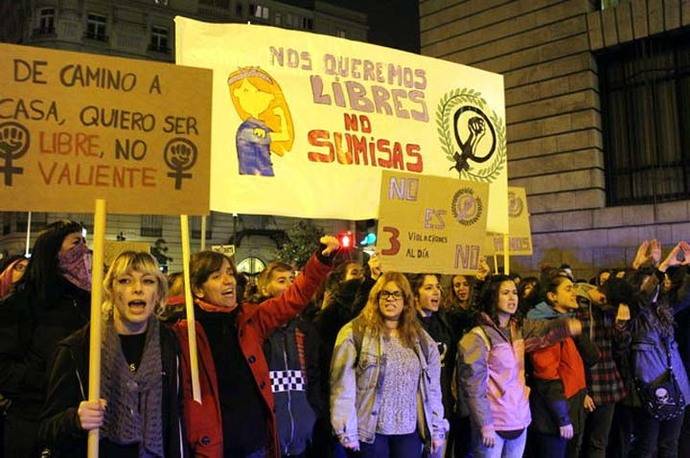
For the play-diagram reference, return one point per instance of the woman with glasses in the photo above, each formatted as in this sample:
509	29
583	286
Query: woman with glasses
385	378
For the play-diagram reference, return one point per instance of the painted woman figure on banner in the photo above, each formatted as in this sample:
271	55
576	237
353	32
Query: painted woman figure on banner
266	121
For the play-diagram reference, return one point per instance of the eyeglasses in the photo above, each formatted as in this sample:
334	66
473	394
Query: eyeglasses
385	295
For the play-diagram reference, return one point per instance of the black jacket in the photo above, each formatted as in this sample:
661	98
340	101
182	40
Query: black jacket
68	385
29	334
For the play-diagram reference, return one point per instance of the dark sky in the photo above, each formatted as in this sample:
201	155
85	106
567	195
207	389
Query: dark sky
392	23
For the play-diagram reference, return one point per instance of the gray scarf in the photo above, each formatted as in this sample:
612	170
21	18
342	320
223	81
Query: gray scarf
134	413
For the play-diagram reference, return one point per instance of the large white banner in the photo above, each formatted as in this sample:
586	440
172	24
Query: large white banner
303	124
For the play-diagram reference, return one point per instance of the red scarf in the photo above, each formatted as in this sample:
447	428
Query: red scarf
208	307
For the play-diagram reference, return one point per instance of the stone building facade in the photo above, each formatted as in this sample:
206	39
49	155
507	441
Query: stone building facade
552	54
144	29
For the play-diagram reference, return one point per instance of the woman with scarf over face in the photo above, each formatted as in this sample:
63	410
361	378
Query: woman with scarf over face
50	302
236	332
138	415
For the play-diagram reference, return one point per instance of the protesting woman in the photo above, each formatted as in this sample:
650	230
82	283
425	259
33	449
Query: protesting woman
12	271
385	378
659	374
50	302
559	396
138	415
236	333
491	369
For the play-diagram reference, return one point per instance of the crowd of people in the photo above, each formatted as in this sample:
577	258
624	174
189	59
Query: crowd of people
339	359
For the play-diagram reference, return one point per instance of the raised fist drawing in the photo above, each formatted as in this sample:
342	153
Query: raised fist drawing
12	140
180	155
477	131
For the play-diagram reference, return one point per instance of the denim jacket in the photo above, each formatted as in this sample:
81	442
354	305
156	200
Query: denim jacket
357	383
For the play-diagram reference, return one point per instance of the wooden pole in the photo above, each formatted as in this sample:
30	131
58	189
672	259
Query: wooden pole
203	233
189	307
28	235
95	326
506	254
495	264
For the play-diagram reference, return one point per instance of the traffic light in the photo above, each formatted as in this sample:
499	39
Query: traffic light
346	240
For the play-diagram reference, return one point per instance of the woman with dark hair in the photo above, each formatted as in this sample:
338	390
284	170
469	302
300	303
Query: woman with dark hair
426	289
140	370
654	351
236	332
528	293
11	271
559	391
387	348
491	368
51	302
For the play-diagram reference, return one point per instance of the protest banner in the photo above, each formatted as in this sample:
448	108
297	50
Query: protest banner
78	127
520	234
113	248
431	224
131	136
303	124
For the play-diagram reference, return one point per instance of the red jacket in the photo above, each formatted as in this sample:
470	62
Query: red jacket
560	361
203	422
255	323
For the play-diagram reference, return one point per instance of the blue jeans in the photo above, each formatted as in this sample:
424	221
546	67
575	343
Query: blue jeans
393	446
503	448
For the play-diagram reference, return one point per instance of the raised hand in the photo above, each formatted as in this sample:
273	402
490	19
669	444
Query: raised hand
332	244
641	257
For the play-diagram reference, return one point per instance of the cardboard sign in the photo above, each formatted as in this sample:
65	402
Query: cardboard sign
227	250
520	235
113	248
431	224
76	127
304	123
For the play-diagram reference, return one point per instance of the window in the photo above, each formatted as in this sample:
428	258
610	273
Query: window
159	39
646	122
196	227
96	26
151	226
259	11
217	3
161	2
46	21
238	10
341	33
38	221
277	18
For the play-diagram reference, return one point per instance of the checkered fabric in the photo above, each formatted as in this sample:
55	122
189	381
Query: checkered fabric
604	382
287	381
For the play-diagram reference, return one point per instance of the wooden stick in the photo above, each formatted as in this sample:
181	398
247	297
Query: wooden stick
95	326
495	264
189	307
28	235
203	233
506	254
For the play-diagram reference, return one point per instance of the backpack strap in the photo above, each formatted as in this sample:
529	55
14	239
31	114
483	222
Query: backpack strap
479	331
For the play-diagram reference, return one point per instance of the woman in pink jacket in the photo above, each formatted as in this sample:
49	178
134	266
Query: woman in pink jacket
491	369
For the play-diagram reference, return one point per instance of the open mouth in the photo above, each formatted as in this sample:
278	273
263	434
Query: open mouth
137	306
228	293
